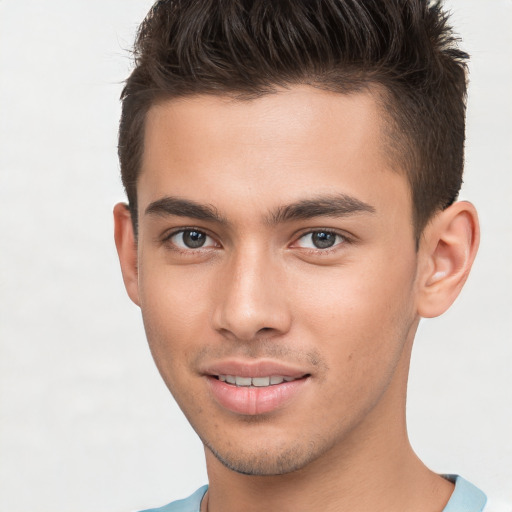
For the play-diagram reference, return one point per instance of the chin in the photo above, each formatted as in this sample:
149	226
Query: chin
267	461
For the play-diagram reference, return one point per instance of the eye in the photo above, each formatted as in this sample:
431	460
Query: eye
191	239
321	239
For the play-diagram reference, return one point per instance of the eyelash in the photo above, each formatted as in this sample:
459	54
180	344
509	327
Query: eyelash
189	251
328	250
344	239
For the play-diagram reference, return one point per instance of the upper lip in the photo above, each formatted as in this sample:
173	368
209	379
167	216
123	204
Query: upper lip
259	368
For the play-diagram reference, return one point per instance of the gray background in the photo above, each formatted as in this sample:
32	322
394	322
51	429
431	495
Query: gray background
85	423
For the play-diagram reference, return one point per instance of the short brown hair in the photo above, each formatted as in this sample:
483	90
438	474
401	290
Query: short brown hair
248	48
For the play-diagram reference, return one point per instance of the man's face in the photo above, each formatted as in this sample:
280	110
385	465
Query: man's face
276	251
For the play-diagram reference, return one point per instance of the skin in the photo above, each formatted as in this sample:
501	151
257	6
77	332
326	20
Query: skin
260	290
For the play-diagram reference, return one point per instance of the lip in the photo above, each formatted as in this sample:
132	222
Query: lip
251	401
260	368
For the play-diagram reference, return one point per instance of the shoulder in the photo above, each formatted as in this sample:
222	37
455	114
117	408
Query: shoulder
190	504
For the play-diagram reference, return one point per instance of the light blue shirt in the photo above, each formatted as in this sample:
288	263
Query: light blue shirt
465	498
190	504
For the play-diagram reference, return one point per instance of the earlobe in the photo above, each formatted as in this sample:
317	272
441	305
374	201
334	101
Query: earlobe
126	250
447	251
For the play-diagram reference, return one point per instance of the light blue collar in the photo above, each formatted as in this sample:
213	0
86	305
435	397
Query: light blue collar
466	497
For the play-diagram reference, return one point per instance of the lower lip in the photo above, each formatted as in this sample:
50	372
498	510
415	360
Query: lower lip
254	400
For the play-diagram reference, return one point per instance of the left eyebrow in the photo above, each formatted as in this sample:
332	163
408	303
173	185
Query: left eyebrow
340	205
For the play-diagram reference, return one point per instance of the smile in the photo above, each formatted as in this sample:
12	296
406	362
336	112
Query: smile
255	395
258	382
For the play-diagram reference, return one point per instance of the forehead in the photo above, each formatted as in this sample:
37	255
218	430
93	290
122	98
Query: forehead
275	149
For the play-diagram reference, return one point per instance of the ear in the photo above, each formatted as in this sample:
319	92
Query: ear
447	250
126	250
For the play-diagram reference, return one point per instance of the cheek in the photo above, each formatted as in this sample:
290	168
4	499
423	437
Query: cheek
175	307
362	309
360	323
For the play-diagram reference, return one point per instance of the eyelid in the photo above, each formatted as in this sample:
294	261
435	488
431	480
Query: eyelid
345	239
166	238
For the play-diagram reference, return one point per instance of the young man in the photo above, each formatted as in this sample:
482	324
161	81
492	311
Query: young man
292	169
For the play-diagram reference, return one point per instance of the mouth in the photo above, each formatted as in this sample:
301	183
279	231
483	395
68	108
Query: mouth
256	382
255	388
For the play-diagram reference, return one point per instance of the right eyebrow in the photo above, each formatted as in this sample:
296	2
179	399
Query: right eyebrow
184	208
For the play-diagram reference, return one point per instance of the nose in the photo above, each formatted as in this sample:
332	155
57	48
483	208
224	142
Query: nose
251	301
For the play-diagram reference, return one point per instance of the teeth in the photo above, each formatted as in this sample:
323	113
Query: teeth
259	382
243	381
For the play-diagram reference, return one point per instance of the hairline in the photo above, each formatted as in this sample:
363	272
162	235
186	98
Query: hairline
399	150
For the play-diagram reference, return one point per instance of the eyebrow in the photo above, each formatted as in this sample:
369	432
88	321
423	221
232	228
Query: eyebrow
337	205
184	208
